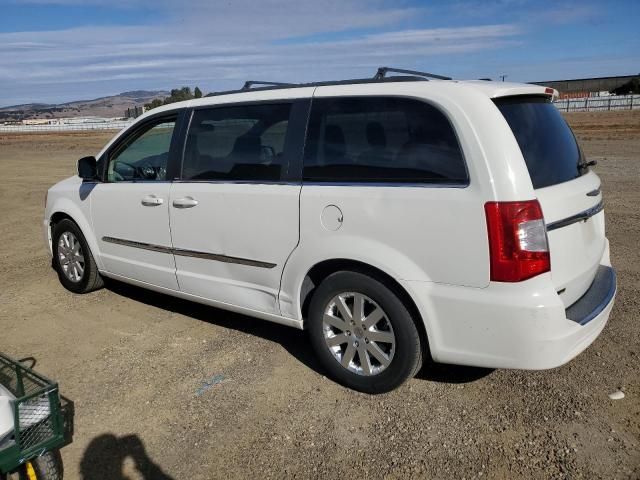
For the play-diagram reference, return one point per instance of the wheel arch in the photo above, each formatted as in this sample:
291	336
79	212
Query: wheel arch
70	212
57	217
321	270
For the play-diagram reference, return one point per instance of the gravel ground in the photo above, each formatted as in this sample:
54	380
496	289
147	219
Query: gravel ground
168	389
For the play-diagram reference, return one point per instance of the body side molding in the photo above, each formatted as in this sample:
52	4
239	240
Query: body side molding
189	253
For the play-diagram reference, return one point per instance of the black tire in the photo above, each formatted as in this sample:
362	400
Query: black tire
407	357
47	466
91	279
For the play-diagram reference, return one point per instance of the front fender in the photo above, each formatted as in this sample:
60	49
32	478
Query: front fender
74	201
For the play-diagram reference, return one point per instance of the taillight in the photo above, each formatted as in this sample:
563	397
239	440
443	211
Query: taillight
518	247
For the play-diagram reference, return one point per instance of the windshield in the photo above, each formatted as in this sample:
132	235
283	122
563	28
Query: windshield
547	143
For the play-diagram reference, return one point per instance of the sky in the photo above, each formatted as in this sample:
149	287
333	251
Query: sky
55	51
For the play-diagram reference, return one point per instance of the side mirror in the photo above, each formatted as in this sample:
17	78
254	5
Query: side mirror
87	168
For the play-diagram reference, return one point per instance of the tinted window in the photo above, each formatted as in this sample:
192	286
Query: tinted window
143	155
237	143
376	139
546	141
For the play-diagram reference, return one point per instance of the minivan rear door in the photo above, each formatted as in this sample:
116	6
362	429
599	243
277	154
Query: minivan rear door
568	192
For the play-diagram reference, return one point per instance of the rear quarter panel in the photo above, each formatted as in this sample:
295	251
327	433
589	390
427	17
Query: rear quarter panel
415	233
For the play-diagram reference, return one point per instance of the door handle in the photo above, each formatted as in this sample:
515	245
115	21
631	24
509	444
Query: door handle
186	202
152	201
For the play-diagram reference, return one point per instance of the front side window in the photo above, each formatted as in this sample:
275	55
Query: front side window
381	139
239	143
143	155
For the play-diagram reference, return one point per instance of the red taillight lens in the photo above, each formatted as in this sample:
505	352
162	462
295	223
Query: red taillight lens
518	247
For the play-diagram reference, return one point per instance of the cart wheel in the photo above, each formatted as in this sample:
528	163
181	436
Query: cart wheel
47	466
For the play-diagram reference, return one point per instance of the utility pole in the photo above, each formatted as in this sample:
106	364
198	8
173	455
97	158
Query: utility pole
503	77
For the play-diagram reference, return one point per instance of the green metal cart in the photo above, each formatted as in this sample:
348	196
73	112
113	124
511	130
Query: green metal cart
42	423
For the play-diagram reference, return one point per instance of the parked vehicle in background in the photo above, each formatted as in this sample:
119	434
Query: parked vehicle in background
397	219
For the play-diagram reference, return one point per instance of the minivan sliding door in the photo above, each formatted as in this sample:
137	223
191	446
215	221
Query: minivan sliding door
234	211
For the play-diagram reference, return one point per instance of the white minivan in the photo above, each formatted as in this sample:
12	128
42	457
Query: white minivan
396	219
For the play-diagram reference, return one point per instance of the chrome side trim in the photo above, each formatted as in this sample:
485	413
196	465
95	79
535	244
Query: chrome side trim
143	246
222	258
189	253
579	217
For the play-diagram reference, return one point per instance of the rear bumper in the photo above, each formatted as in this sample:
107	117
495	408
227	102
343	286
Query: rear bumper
524	326
596	299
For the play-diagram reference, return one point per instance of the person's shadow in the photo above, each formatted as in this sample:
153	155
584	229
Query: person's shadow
106	456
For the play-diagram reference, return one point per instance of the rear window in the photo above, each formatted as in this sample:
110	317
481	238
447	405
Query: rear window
547	143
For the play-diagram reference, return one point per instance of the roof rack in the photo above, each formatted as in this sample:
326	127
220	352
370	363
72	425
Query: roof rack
380	76
250	83
382	72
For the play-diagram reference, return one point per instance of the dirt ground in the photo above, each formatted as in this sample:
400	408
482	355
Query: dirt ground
168	389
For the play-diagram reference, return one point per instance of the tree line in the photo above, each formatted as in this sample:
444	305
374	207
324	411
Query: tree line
177	95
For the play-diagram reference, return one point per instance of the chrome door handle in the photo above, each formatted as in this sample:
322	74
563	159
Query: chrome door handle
186	202
152	201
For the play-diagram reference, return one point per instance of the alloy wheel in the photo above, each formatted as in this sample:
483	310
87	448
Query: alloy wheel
358	333
71	257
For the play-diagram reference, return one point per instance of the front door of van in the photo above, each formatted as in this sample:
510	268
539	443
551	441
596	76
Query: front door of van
130	209
234	213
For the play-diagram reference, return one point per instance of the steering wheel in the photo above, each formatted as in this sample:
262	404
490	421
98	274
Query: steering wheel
146	172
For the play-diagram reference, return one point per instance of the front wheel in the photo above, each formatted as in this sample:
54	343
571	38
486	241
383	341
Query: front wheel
363	333
72	259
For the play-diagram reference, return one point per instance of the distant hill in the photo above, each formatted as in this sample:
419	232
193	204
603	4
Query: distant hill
113	106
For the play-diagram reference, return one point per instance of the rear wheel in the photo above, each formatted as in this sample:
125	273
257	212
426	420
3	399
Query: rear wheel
363	333
73	260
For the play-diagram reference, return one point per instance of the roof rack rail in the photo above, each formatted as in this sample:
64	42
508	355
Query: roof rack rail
382	72
380	76
250	83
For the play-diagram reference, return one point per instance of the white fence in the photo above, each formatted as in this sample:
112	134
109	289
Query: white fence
66	127
592	104
589	104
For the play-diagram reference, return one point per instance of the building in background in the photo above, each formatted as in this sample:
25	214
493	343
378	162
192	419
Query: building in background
134	112
70	121
588	87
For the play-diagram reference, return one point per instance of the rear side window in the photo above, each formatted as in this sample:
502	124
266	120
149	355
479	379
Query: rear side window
381	139
547	143
244	142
